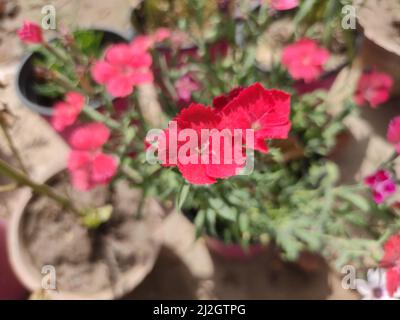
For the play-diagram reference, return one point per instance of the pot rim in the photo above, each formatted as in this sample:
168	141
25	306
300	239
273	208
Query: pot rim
24	270
46	111
234	251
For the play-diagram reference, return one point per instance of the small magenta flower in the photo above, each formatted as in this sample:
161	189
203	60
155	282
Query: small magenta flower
281	5
66	112
304	59
185	86
382	185
124	67
30	33
391	261
373	88
87	164
162	34
393	134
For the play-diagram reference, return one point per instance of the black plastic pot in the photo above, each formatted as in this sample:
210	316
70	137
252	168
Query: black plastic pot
25	78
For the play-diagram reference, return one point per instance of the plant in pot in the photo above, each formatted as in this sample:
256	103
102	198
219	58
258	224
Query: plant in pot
229	42
99	228
60	65
292	199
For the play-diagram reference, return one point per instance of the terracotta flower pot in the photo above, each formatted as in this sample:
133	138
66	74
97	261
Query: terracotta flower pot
10	287
33	277
310	262
233	251
25	79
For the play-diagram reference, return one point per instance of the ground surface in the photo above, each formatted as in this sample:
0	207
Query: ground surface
185	269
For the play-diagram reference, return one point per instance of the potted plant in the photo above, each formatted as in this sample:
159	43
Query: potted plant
99	228
95	254
292	198
55	67
232	41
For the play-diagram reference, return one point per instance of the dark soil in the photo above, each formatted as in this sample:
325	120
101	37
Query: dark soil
88	260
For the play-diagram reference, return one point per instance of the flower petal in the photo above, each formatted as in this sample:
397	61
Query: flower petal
120	86
392	281
102	72
196	174
104	168
91	136
119	54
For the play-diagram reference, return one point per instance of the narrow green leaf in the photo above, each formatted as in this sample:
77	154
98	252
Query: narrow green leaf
305	9
199	223
244	223
182	195
356	199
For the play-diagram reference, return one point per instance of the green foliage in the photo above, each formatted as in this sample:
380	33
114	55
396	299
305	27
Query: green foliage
295	202
293	197
48	89
58	72
89	42
299	209
314	124
326	14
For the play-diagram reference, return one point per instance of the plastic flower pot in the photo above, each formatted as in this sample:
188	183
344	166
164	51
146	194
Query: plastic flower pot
233	251
10	287
25	79
126	279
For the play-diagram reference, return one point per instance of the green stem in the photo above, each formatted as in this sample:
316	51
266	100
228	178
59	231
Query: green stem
8	187
63	82
80	57
132	174
97	116
391	159
55	53
41	189
11	145
129	135
139	213
165	78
